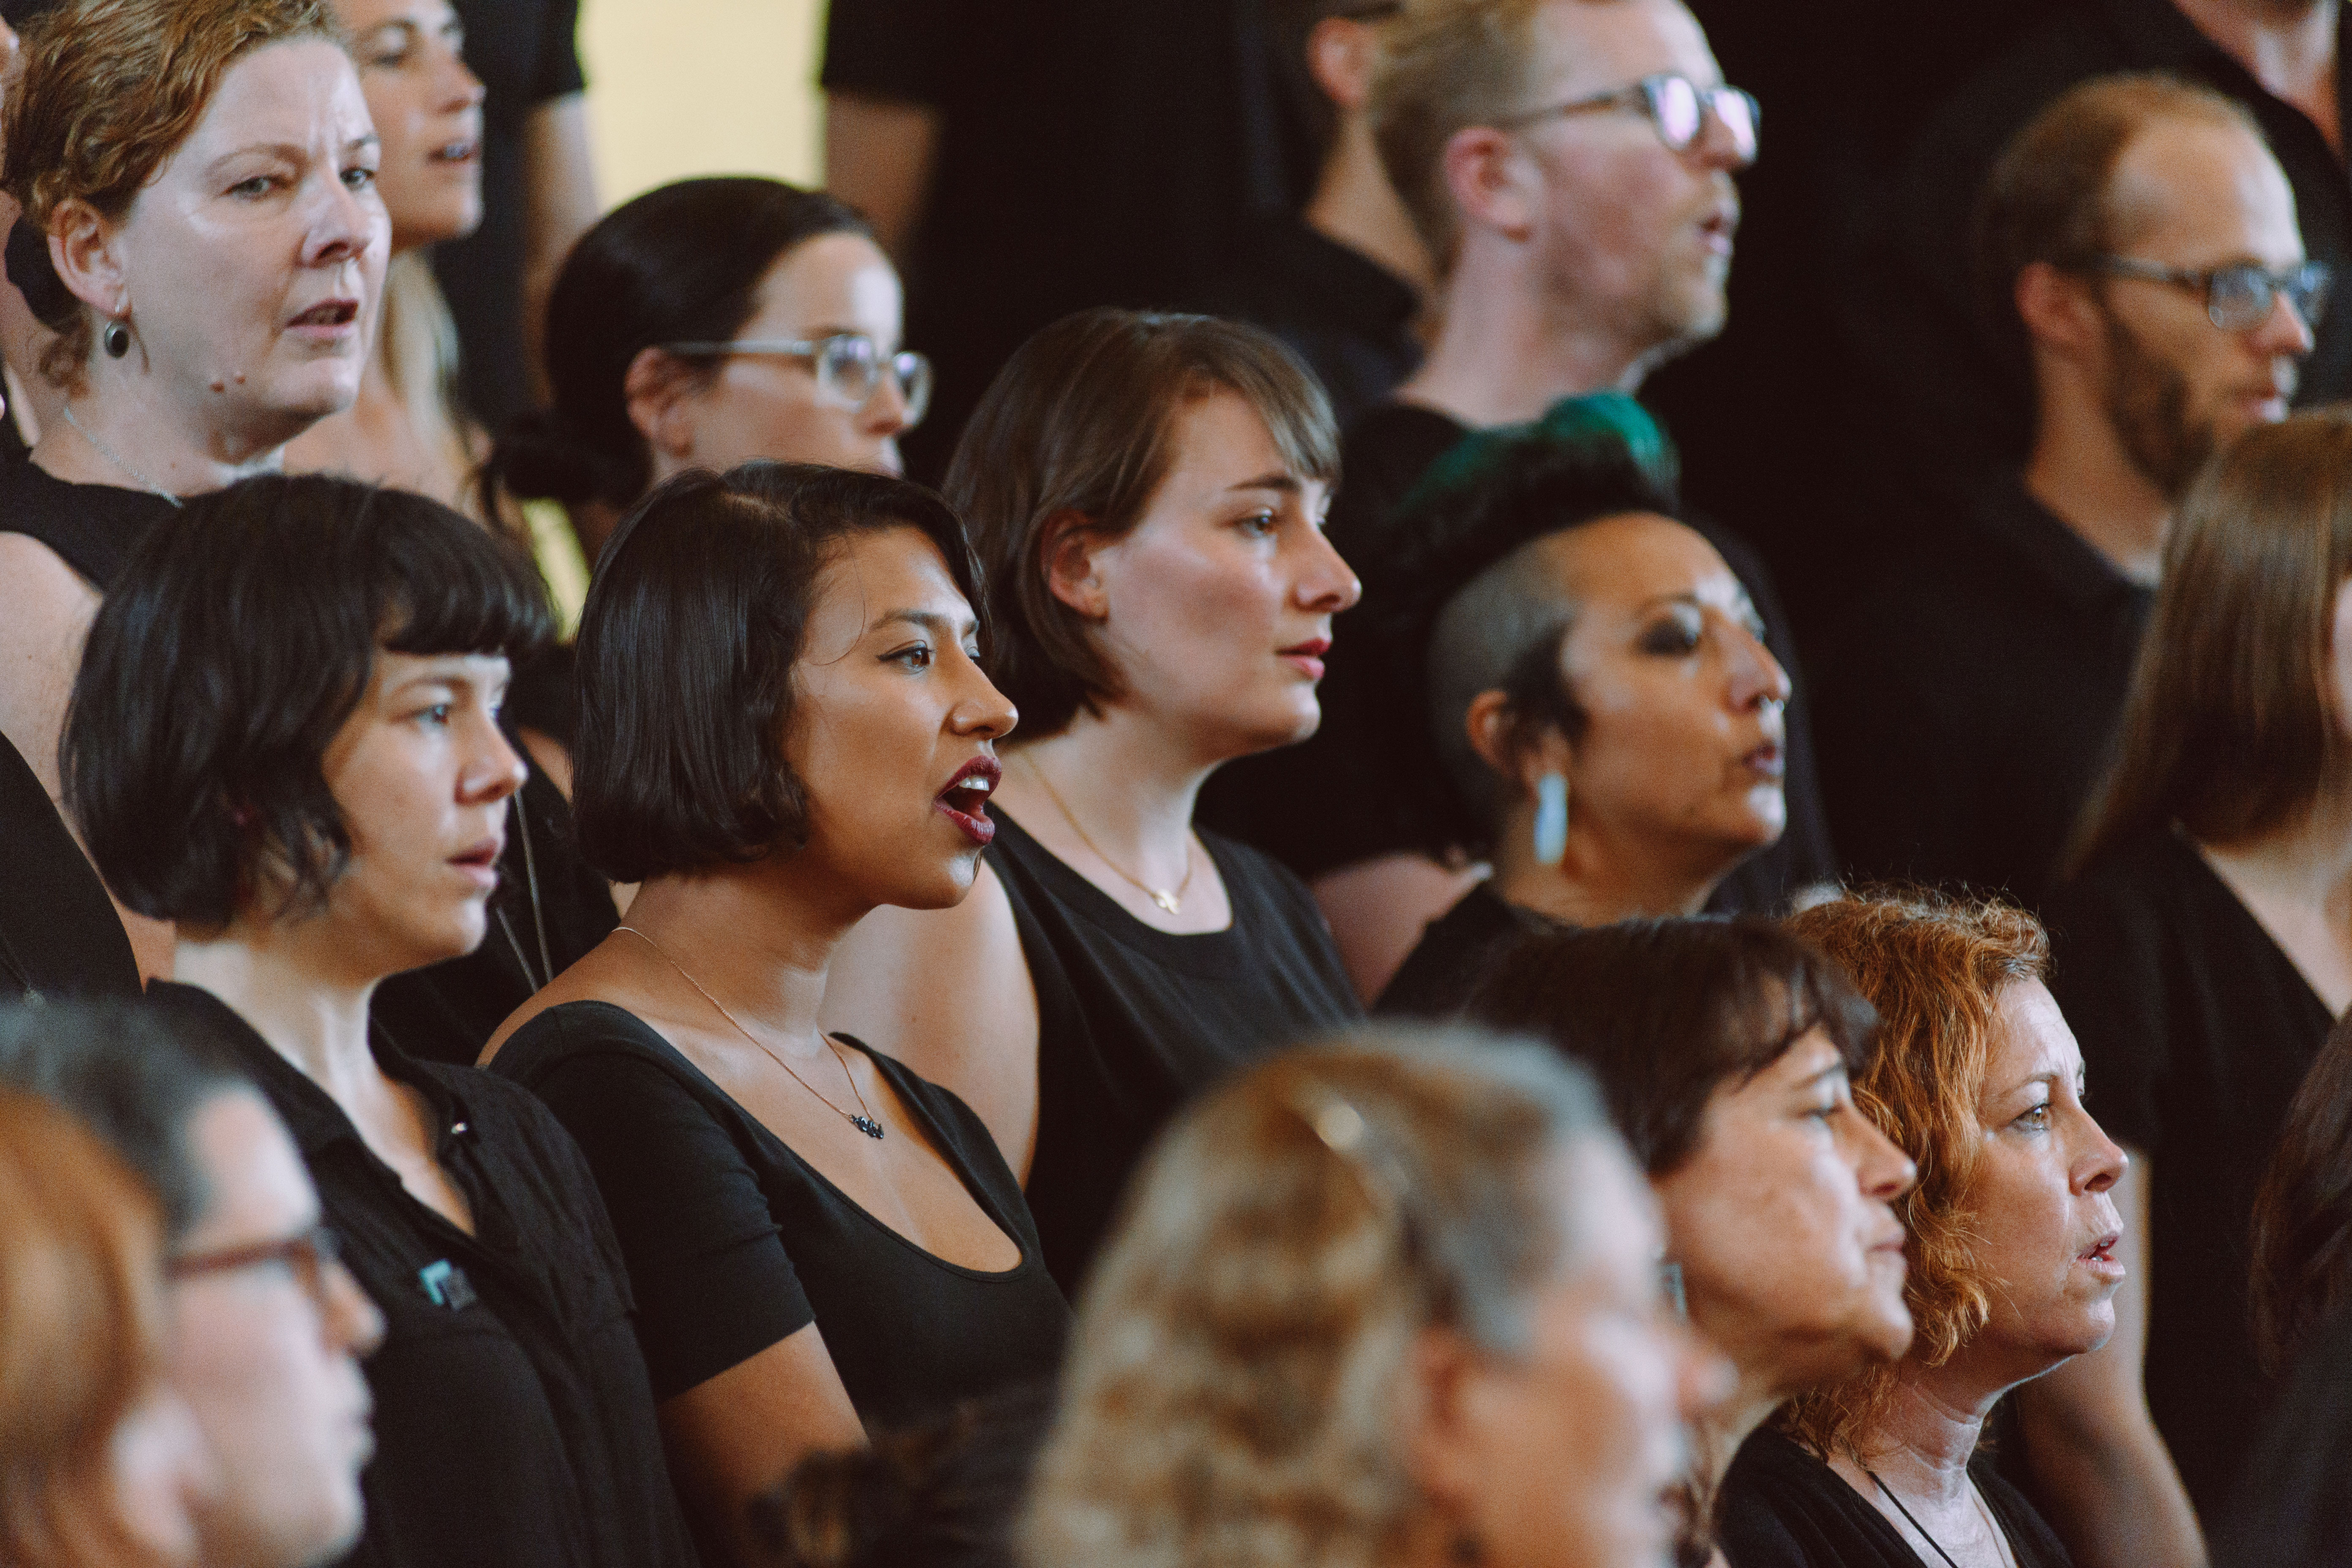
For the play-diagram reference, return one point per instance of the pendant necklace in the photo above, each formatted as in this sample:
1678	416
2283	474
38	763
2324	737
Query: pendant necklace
110	454
1171	899
1888	1493
865	1124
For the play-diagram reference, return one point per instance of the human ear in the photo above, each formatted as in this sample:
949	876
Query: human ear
1340	54
1489	182
1440	1429
1518	753
83	249
2059	311
1067	550
656	392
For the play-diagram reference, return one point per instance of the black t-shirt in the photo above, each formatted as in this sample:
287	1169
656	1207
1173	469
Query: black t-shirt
59	934
1970	700
549	908
2196	1032
1961	394
526	54
1309	805
1089	153
1132	1022
1349	318
734	1242
1454	954
2293	1503
1782	1507
514	1423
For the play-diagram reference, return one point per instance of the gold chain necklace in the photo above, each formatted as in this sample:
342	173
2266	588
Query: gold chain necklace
865	1124
1171	900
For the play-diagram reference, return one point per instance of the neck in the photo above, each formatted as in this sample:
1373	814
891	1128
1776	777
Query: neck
281	978
1930	1430
1715	1436
759	938
1505	350
1355	204
1129	784
2308	862
2080	471
1601	878
126	434
2287	46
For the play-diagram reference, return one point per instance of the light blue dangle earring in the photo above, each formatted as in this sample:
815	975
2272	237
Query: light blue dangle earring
1551	819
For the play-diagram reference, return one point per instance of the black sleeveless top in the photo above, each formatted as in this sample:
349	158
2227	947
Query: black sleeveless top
549	908
59	934
734	1242
1132	1021
1782	1507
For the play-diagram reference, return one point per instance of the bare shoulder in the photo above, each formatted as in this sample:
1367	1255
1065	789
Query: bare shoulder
45	609
586	981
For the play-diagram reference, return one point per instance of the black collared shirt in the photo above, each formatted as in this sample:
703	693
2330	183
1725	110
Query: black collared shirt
1971	698
1349	318
1959	383
514	1421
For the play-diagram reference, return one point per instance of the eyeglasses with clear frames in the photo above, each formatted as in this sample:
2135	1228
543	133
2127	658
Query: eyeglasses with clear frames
849	367
2240	297
1677	109
309	1258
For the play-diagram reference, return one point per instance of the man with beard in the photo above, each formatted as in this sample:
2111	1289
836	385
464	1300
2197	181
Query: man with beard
1569	166
2139	240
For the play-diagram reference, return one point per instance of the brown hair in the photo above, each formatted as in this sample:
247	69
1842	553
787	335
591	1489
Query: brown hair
1446	65
2048	198
1081	424
1934	967
2230	729
2302	1217
80	1319
109	90
1231	1393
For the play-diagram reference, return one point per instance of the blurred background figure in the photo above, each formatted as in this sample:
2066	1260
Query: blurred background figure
1392	1300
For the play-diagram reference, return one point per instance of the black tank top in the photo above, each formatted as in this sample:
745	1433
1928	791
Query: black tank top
1132	1022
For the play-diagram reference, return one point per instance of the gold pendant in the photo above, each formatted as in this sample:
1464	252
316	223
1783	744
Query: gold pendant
1165	899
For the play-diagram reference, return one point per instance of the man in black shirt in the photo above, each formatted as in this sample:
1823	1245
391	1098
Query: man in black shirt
1956	395
1970	698
1341	282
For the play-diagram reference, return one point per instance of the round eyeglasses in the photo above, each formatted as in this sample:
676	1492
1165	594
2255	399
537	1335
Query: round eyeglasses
1677	109
2239	297
849	367
312	1257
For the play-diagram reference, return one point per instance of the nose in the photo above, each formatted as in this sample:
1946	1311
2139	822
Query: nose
983	711
2284	331
1883	1171
460	88
2103	1163
1324	583
884	412
494	770
1756	676
350	1321
347	224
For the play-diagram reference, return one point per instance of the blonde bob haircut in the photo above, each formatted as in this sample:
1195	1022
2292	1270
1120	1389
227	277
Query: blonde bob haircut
1446	65
108	92
80	1327
1233	1390
1935	968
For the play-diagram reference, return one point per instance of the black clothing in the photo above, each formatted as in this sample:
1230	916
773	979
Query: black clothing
1453	955
59	936
1783	1508
734	1242
2292	1504
2196	1032
1306	804
1132	1022
514	1425
1969	702
1349	318
525	52
1962	395
549	908
1089	153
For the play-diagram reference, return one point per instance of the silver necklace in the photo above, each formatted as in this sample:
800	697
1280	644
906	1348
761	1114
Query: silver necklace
120	461
865	1124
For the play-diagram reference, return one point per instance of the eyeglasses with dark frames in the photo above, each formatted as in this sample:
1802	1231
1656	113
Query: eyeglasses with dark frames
849	367
2241	295
308	1257
1677	109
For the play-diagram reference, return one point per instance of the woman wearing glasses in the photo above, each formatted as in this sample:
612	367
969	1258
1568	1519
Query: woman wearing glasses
285	739
707	323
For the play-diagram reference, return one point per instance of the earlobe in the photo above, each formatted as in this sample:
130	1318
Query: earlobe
1437	1449
83	251
655	391
1066	549
1480	167
2055	308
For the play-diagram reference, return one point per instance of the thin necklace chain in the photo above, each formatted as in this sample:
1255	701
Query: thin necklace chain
865	1124
117	459
1888	1493
1170	899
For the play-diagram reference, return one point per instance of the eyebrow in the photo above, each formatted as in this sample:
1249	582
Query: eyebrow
1287	483
1835	1069
929	620
292	153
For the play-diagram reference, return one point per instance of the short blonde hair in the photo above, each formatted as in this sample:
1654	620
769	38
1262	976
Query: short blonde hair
1446	65
1232	1393
1934	967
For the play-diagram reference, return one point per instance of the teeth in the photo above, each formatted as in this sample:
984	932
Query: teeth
979	784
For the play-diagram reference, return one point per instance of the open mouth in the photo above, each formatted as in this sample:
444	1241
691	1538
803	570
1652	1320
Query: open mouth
1765	762
966	797
330	315
2103	1254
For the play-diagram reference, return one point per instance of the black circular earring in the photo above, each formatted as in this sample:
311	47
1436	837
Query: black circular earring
117	339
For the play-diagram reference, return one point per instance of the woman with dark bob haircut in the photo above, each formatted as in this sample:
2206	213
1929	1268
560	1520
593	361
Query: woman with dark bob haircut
1725	1050
285	739
783	726
1148	495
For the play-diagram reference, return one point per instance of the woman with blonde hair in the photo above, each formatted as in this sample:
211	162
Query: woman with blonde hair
1389	1300
100	1463
2012	1239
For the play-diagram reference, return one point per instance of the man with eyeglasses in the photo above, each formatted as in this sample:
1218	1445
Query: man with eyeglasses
1569	163
265	1330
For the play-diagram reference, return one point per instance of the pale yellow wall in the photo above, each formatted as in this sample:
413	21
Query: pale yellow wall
701	87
